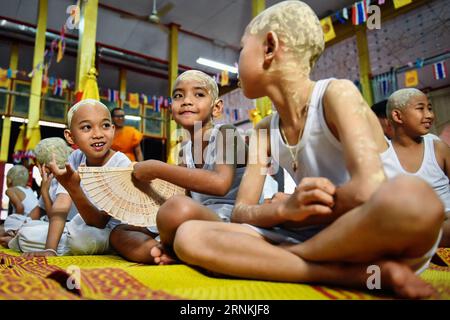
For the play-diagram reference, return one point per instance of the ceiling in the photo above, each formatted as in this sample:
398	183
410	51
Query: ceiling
212	29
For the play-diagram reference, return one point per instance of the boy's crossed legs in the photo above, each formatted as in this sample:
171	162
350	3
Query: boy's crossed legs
138	243
395	225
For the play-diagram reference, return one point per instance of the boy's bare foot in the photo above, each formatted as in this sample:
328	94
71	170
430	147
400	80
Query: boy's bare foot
5	240
404	282
161	256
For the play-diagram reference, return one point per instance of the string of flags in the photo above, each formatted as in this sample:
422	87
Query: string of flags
358	14
57	85
440	70
135	99
222	78
412	76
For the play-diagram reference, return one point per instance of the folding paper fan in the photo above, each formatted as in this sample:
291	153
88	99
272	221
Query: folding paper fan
122	197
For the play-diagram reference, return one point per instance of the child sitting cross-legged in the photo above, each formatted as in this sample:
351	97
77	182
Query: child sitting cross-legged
344	216
23	200
211	168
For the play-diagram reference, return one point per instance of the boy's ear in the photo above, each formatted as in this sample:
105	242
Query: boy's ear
217	108
68	136
271	46
397	116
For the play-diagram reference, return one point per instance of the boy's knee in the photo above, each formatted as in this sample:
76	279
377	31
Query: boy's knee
410	200
175	211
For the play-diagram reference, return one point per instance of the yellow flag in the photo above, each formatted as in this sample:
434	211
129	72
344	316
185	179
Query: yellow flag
224	79
328	30
411	78
401	3
254	116
60	54
3	78
134	100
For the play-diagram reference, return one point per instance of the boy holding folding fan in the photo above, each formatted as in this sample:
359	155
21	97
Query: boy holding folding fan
91	129
212	164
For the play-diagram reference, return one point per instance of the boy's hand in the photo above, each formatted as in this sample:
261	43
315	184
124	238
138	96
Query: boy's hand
313	196
46	179
67	177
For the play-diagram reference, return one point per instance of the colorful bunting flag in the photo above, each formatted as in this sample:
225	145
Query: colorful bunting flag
411	78
156	103
328	30
61	45
419	63
3	78
57	89
224	79
440	70
339	17
345	13
401	3
359	13
113	95
144	99
134	100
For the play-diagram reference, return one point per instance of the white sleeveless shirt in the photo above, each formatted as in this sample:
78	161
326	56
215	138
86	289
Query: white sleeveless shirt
428	171
223	206
320	154
29	202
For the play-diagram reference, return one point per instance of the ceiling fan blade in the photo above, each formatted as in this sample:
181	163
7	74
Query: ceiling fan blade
133	16
163	27
165	9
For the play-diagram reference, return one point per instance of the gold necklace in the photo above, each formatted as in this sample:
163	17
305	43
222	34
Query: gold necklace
305	111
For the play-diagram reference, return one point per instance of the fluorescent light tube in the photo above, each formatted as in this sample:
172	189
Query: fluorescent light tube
216	65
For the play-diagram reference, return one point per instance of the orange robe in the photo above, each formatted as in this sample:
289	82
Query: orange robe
125	140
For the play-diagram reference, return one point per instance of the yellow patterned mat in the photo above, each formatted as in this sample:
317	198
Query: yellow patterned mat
110	277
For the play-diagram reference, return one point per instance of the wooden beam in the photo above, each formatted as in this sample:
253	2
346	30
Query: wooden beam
86	43
36	81
171	125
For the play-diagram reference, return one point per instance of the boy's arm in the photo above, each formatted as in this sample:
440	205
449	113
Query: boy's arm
138	153
70	180
442	151
355	125
311	197
217	182
15	200
57	220
47	201
35	214
45	187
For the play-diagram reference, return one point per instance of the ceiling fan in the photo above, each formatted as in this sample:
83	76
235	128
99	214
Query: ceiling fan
155	16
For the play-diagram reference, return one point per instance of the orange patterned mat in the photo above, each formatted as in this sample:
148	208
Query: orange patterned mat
112	278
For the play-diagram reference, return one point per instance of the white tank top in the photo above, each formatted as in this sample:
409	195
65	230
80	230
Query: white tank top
29	202
428	171
209	164
320	154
